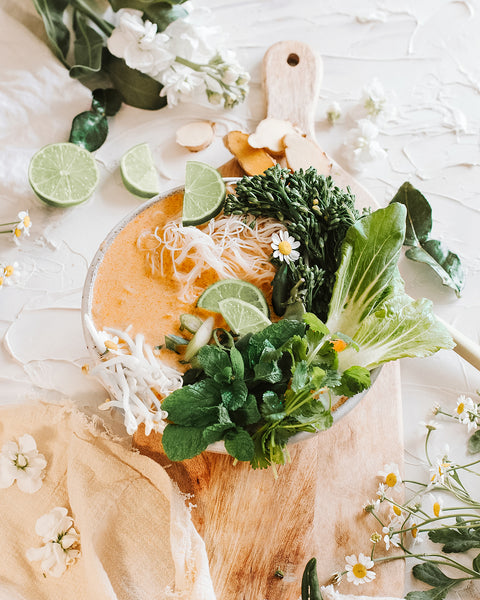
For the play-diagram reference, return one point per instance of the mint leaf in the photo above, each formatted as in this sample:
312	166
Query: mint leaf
234	395
240	445
194	405
276	334
215	433
238	366
248	414
181	442
215	362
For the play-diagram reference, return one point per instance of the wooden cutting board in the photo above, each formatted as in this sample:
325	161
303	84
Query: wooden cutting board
253	525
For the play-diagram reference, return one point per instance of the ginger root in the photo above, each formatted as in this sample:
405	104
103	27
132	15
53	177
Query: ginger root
302	153
196	136
253	161
270	133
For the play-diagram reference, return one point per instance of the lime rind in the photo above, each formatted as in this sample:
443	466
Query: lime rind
242	317
63	174
232	288
204	193
138	172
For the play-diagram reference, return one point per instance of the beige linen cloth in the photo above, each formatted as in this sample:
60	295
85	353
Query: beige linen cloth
137	538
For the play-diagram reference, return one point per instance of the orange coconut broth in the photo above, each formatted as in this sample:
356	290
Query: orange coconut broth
126	294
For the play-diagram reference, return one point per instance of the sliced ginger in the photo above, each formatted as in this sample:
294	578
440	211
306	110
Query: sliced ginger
196	136
270	133
302	153
253	161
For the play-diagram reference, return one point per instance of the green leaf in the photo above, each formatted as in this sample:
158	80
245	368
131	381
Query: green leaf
239	444
300	376
162	14
136	89
194	405
419	214
106	101
238	366
234	395
353	381
272	408
88	48
248	414
476	563
437	593
268	371
51	12
431	574
474	443
456	540
215	433
446	264
181	442
142	5
315	323
216	363
276	334
89	130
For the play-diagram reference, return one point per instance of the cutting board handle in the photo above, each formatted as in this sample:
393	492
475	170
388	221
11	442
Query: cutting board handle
292	77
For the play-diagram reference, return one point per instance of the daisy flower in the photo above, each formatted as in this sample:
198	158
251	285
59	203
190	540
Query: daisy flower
391	475
284	247
358	569
467	412
439	469
391	532
22	463
434	504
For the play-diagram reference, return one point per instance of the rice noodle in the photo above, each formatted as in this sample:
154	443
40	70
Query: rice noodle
232	246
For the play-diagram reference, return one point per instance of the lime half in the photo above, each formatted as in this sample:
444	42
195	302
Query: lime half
63	174
138	172
232	288
204	193
243	317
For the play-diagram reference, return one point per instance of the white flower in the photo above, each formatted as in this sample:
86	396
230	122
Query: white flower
357	569
391	475
24	222
60	540
361	144
431	425
22	463
139	44
334	113
372	505
391	531
382	491
418	537
284	247
439	471
434	504
193	37
467	412
181	84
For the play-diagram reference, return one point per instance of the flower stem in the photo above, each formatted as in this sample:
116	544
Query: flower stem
103	25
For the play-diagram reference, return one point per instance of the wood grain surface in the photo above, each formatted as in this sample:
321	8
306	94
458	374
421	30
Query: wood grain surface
253	525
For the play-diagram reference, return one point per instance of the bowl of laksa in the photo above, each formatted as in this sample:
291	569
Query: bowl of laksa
243	320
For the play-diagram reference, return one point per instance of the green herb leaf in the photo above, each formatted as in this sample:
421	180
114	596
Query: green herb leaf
194	405
181	442
142	5
106	101
215	433
89	130
419	214
239	444
238	365
456	540
446	264
248	414
353	381
216	363
474	443
51	12
300	376
272	408
476	563
315	324
88	48
234	395
437	593
136	88
277	334
431	574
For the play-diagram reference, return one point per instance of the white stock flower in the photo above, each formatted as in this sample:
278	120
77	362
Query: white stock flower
139	44
361	145
22	463
334	113
60	540
181	84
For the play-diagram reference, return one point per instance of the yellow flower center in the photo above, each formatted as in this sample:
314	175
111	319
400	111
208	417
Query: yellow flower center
436	508
17	232
1	281
414	530
391	480
285	247
359	570
397	511
339	345
27	221
111	345
460	408
8	270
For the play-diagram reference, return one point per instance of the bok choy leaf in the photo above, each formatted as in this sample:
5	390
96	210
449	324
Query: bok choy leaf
369	303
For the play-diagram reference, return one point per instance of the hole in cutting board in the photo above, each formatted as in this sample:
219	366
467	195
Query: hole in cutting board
293	59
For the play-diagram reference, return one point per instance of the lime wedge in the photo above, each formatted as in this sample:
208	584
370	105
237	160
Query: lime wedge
204	193
138	172
63	174
232	288
242	317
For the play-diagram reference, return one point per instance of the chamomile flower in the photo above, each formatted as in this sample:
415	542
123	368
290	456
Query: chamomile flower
391	475
334	113
467	412
358	569
439	471
418	537
284	247
22	462
434	504
24	221
372	506
391	532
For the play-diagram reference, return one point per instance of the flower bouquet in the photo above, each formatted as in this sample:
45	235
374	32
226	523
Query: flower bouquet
145	53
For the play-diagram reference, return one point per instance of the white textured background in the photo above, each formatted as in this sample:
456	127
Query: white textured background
426	53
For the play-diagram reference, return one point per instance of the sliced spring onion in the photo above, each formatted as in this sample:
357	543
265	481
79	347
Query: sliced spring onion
200	339
191	323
